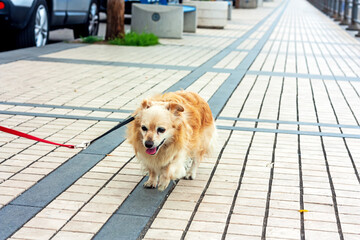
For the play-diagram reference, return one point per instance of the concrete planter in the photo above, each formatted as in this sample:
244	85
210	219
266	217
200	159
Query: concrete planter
210	14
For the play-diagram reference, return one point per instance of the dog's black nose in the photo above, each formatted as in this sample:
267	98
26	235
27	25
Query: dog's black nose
149	144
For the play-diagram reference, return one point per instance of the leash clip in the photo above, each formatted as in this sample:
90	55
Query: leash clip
83	145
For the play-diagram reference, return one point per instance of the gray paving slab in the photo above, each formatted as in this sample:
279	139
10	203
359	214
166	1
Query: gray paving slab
65	107
307	133
64	116
143	202
289	122
12	216
122	226
34	52
105	63
107	143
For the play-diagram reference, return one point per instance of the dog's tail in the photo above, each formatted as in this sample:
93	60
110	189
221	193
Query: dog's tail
212	147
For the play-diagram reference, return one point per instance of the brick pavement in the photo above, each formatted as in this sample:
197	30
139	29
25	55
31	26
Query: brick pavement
283	83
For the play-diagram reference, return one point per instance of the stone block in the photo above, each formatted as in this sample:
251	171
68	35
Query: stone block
163	21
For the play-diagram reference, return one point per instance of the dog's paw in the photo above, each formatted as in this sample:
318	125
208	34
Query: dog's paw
162	187
149	184
190	176
163	184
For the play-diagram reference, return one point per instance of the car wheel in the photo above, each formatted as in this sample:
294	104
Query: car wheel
36	33
91	27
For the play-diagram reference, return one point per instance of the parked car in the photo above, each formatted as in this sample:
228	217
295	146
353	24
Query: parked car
26	23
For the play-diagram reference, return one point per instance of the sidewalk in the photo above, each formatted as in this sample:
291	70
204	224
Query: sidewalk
283	82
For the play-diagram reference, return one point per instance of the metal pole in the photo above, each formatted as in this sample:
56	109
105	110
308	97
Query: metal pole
334	9
338	14
345	20
354	26
326	6
330	7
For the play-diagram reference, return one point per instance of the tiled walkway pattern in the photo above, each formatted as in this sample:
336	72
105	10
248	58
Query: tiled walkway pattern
303	77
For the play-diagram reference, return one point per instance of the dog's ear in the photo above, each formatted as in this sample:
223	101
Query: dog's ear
175	108
146	104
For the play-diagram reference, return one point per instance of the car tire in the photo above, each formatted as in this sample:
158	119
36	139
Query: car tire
36	33
91	27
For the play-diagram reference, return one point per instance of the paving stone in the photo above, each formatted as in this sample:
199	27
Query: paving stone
46	223
64	235
33	233
80	226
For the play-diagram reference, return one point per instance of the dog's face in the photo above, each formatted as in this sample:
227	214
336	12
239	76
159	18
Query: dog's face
158	124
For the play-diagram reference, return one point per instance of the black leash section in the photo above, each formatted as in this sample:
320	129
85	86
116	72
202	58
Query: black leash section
123	123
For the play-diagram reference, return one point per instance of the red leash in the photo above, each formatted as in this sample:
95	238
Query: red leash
20	134
82	145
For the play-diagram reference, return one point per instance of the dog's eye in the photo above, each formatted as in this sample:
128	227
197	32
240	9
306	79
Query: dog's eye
161	130
144	128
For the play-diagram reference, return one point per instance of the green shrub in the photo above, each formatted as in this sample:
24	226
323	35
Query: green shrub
135	39
91	39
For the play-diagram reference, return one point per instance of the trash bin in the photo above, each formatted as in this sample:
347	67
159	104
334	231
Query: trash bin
248	3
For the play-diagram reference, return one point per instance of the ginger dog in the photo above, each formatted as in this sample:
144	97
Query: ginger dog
168	130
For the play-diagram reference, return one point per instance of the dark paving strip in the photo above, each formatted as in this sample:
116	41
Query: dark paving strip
288	122
117	64
30	53
50	115
304	75
325	43
292	75
65	107
307	133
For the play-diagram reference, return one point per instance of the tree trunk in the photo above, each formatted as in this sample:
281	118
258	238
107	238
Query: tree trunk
115	19
237	3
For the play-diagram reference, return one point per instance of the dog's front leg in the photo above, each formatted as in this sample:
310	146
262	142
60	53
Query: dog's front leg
152	181
164	179
173	171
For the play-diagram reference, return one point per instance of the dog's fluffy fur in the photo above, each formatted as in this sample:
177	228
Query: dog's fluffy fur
168	130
